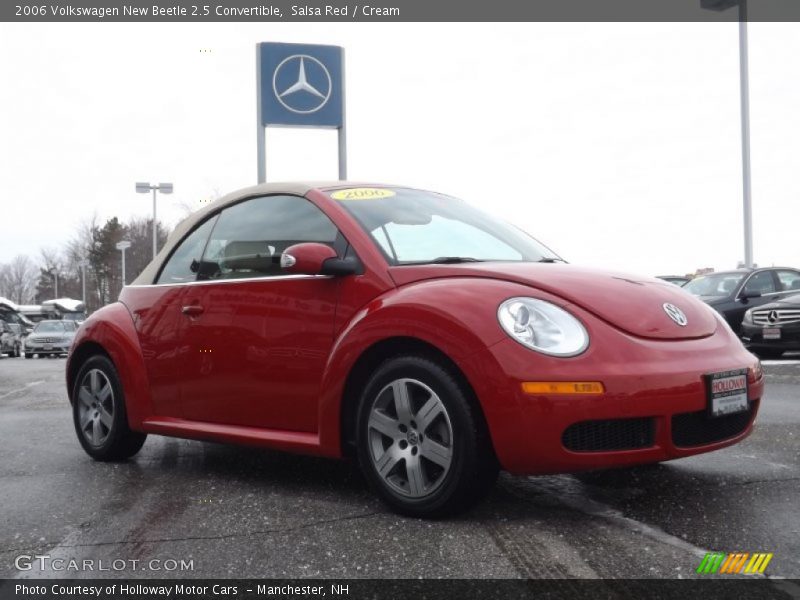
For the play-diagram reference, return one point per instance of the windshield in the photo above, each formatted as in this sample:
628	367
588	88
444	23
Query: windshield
716	284
49	327
414	227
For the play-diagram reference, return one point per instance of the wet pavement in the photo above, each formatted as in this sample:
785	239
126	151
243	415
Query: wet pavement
229	511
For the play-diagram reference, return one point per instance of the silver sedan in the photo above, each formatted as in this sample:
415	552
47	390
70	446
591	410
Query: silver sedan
50	338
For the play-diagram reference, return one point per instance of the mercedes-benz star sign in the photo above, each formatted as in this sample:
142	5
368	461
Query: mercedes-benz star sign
309	84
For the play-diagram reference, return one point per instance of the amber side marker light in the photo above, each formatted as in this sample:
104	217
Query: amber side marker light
562	387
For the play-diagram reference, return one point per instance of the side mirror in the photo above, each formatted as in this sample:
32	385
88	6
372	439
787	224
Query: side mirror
745	295
311	258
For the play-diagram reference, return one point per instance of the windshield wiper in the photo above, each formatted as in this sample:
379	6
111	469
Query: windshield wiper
452	260
550	260
443	260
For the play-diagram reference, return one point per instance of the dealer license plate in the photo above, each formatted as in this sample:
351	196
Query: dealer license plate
727	392
771	333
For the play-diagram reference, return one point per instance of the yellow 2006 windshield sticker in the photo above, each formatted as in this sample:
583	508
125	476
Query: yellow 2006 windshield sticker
362	194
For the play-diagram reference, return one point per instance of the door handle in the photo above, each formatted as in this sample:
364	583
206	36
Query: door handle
192	310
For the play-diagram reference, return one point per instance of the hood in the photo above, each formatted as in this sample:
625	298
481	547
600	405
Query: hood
788	302
631	303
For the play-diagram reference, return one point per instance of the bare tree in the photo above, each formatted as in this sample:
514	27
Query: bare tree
18	279
50	262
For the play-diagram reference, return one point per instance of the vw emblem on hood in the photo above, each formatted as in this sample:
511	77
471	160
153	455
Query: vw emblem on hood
676	314
302	84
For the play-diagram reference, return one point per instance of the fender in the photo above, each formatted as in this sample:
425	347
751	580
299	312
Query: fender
112	328
455	315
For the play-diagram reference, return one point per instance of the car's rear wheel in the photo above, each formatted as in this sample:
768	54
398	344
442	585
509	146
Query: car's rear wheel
422	444
98	412
28	355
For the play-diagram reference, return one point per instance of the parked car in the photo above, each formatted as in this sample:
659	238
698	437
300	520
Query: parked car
772	329
50	337
678	280
732	293
406	328
10	339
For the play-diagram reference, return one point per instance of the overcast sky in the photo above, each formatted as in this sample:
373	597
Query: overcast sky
616	145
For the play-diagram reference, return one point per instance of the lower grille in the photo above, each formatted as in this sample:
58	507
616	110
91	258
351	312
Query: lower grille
611	434
697	428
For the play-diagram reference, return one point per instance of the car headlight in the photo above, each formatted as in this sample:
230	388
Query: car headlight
748	317
543	326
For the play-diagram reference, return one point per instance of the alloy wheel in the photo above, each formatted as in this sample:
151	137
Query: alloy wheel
410	438
96	407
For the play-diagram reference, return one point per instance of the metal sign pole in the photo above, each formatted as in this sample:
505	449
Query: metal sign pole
343	130
342	154
261	151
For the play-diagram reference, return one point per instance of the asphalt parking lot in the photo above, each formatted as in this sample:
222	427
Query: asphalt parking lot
251	513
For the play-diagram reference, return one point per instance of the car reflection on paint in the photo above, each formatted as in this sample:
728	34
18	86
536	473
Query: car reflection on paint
411	331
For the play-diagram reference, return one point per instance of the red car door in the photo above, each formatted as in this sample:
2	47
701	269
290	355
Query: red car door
255	354
254	341
156	312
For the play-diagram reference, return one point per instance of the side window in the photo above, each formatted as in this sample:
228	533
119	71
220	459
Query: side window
761	282
183	265
249	237
790	280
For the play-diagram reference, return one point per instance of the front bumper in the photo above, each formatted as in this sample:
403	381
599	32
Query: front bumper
47	348
753	337
653	408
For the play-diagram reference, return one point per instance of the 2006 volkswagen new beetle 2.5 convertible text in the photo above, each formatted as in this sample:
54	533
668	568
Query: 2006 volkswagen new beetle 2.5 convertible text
406	328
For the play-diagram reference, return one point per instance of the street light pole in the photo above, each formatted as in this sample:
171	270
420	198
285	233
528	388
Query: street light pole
744	90
143	188
83	264
744	99
122	246
155	226
54	273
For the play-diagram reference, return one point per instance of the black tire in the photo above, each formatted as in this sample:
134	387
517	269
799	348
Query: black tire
441	491
28	355
17	351
769	353
117	442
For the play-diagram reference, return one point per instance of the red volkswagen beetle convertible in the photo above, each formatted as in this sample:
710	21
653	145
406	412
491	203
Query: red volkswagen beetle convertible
432	341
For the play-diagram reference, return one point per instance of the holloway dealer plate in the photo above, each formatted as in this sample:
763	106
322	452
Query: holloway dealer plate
727	392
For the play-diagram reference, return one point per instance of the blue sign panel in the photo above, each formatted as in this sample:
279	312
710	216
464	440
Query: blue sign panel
301	85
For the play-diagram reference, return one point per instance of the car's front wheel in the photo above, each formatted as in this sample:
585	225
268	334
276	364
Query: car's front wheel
98	412
422	444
